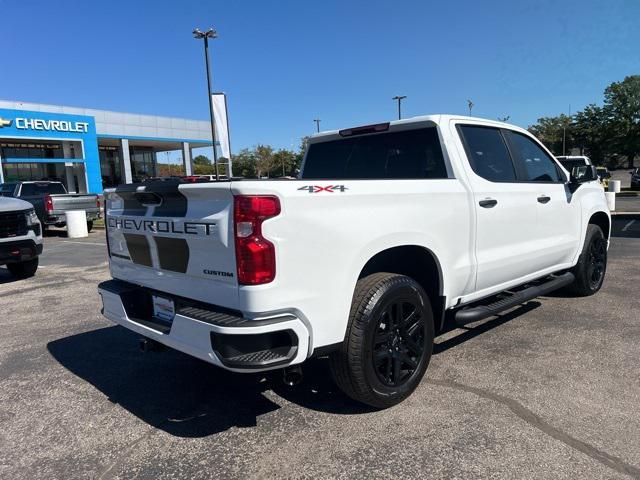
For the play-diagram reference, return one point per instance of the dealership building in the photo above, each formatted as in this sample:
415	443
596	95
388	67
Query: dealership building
89	149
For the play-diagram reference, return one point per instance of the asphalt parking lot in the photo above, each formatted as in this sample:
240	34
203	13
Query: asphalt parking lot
549	390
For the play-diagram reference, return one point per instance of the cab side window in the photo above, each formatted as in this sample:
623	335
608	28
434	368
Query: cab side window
532	162
488	154
7	189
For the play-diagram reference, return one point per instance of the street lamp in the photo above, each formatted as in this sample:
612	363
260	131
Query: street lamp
399	98
317	120
200	35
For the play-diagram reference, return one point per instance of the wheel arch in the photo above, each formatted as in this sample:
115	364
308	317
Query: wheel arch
602	220
417	262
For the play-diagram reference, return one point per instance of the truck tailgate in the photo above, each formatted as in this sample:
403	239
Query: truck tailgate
63	203
175	238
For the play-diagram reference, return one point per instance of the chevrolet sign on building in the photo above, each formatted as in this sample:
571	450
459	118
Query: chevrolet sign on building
55	125
89	149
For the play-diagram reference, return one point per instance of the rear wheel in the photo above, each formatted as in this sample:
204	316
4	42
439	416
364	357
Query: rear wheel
23	269
592	264
89	225
388	343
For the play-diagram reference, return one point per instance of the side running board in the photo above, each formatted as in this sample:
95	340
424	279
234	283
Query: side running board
508	300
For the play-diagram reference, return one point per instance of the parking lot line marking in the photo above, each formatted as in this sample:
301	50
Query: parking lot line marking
626	227
83	243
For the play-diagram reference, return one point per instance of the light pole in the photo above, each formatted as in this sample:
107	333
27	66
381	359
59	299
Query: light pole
317	120
199	35
470	104
564	133
399	98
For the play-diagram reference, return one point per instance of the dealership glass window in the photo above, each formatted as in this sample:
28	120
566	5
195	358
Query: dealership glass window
110	166
15	172
30	150
143	163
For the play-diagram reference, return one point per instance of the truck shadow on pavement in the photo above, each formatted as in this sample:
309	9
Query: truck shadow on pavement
7	277
186	397
182	395
483	326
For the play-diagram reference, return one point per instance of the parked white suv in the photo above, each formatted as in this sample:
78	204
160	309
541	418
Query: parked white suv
20	237
388	228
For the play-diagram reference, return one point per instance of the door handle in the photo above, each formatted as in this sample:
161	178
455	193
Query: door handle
488	203
543	199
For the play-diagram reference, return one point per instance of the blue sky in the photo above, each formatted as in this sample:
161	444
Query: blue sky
284	63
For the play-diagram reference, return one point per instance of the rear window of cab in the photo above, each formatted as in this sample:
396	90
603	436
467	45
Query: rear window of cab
406	154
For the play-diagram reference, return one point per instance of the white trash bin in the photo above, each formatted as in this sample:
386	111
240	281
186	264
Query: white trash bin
611	200
77	224
614	186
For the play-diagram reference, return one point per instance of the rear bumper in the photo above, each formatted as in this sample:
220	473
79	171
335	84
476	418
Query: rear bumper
57	217
217	336
19	251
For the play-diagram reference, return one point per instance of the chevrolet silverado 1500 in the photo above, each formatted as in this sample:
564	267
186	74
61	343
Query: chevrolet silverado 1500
388	229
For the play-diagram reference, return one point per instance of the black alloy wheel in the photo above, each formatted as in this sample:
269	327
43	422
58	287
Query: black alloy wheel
388	343
399	342
597	262
591	268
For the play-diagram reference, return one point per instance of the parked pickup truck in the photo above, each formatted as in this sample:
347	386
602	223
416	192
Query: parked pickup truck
20	237
51	201
389	229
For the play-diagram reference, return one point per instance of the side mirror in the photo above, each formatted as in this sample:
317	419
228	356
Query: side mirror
583	174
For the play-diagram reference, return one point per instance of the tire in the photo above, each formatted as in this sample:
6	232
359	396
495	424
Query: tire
375	365
592	264
89	225
24	269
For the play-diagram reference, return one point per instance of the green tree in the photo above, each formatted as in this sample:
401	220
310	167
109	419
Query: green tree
264	160
552	130
202	165
590	128
169	169
285	163
244	164
622	107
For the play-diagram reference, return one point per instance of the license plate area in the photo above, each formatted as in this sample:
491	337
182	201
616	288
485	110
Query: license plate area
164	309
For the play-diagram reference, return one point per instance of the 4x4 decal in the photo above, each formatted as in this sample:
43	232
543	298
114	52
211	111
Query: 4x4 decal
319	188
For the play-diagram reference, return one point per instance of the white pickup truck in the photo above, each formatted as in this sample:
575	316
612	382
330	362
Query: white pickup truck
388	228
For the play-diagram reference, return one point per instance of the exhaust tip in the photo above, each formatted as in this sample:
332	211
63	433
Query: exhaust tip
292	376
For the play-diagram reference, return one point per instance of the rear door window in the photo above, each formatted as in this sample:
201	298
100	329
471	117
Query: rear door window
29	189
488	153
408	154
533	163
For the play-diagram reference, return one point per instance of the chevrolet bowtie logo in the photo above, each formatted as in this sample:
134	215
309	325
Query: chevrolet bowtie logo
5	123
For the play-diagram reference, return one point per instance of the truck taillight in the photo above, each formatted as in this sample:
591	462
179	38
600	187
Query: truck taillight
48	203
255	255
